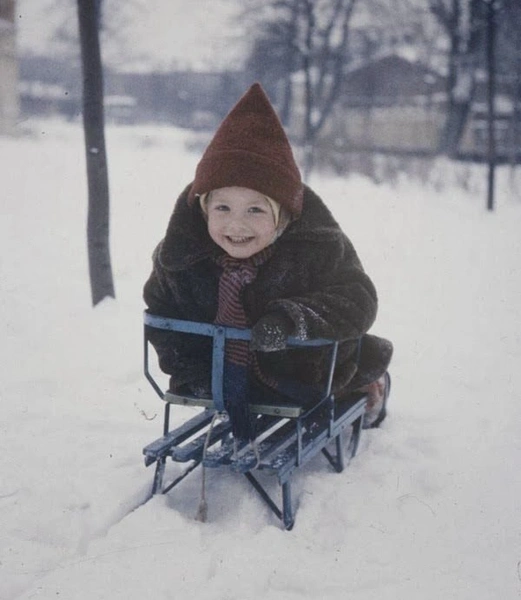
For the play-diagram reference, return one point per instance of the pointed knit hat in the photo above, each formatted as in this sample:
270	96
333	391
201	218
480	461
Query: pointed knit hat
250	149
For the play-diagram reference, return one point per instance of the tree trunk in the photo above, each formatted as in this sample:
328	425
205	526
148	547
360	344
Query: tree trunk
491	69
100	269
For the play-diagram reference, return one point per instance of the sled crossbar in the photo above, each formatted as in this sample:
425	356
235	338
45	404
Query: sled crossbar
288	411
287	435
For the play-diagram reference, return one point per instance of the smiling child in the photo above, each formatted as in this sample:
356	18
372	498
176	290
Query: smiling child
249	245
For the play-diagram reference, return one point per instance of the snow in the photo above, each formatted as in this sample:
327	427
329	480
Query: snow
428	509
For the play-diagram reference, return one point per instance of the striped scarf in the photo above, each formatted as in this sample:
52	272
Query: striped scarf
236	274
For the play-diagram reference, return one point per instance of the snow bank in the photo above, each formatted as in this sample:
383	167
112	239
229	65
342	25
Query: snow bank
428	509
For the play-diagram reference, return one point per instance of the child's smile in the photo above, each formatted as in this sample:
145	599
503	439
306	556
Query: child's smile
239	240
240	221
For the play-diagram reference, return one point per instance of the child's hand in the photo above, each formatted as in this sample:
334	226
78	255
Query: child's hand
201	388
271	332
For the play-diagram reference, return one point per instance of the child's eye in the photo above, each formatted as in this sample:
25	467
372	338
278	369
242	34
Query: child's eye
256	209
221	207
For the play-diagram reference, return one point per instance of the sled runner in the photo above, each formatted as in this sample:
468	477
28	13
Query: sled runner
287	435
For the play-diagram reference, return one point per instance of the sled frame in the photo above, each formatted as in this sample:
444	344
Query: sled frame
289	435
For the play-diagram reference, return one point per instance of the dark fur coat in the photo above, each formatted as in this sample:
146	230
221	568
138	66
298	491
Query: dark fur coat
313	276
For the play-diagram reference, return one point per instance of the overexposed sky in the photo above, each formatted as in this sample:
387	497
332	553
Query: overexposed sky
161	33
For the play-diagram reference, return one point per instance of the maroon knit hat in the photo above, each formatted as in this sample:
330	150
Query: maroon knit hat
250	149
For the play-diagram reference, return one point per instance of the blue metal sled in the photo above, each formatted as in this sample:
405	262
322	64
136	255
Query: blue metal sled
288	435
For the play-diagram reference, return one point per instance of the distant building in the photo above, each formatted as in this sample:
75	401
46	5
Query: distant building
390	104
397	106
197	100
52	86
120	110
8	69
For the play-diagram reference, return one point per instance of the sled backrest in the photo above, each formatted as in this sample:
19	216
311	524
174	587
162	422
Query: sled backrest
220	334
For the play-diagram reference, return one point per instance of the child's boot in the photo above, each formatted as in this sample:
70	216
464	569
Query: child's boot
377	395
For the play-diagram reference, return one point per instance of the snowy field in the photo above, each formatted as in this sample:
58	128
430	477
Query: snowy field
429	509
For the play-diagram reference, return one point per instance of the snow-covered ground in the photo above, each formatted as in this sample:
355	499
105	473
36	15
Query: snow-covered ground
429	509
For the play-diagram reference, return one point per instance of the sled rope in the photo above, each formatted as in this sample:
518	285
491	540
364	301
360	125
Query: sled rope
256	452
202	511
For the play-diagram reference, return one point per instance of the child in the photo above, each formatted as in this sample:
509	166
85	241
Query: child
248	245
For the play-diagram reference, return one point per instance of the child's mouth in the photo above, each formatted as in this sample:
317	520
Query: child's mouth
239	240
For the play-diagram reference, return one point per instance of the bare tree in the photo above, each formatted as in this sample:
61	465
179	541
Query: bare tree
465	24
324	53
451	14
100	269
491	16
273	59
311	40
509	51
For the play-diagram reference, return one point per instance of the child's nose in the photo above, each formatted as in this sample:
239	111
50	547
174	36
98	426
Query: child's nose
236	221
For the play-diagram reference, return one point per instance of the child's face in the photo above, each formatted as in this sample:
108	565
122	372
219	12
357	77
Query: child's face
240	221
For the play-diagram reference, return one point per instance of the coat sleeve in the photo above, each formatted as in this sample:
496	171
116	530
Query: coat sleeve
339	300
186	357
